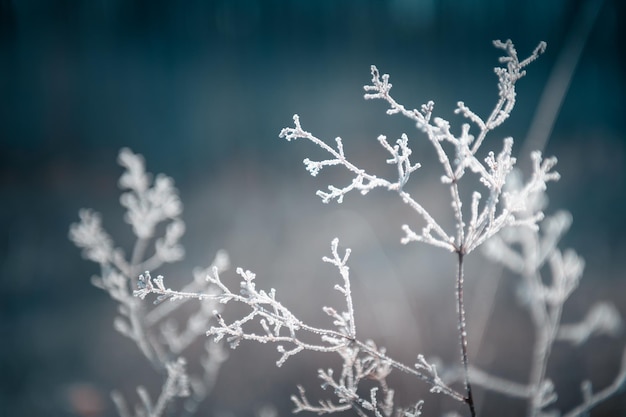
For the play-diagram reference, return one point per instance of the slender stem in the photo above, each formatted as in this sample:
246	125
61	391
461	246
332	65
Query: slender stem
469	399
546	334
153	352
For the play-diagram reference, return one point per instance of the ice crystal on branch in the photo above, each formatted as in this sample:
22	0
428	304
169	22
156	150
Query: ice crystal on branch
503	207
362	360
176	385
486	218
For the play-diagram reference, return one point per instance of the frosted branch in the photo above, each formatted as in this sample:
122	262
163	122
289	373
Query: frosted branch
602	319
507	77
176	385
498	211
488	381
526	251
150	204
89	235
279	326
146	206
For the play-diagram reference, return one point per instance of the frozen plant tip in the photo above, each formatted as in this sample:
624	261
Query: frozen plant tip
498	211
269	321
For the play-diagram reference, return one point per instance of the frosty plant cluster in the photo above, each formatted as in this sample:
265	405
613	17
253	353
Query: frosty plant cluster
502	217
158	336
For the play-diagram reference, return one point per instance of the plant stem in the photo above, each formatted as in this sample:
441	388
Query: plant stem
469	399
546	327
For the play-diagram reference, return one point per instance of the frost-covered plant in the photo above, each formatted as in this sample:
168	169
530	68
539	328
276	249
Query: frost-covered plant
457	154
526	252
509	216
153	330
512	211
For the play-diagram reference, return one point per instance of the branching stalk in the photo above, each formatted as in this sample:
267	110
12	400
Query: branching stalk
469	399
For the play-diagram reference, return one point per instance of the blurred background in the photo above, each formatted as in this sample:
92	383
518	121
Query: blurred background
202	89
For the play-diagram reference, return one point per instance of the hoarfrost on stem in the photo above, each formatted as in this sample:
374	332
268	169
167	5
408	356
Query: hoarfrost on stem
456	154
500	209
362	360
